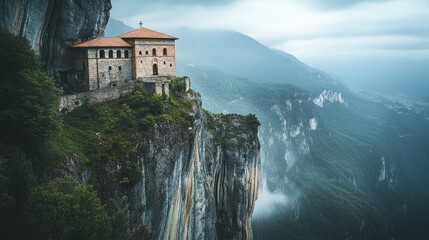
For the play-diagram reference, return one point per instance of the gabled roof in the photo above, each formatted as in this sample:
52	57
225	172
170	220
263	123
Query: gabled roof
104	42
146	33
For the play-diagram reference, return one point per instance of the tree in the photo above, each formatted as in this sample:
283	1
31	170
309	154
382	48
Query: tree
29	118
16	178
65	209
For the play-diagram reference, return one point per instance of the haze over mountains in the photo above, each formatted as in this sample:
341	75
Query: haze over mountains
370	45
336	165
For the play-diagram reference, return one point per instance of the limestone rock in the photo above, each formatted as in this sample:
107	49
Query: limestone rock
51	26
200	183
197	182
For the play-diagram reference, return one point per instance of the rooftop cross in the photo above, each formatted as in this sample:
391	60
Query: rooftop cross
141	24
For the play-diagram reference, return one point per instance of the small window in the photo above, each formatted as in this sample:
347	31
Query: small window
110	68
118	54
140	53
171	65
102	54
110	53
147	52
164	51
126	54
120	68
141	61
154	52
164	62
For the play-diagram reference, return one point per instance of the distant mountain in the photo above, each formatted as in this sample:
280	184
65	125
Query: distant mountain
115	28
242	56
336	165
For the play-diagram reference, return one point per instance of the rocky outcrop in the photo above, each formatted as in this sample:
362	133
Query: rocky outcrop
51	26
199	183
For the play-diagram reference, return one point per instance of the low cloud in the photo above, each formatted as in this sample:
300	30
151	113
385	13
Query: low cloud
362	42
303	28
269	202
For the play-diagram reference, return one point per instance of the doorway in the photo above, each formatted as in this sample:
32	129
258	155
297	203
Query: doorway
155	69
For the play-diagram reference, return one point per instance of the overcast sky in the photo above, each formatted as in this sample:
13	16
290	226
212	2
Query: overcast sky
319	32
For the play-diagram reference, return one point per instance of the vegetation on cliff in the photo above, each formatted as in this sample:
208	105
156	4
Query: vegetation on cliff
37	202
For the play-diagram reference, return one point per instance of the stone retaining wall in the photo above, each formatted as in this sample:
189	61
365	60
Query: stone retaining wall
71	101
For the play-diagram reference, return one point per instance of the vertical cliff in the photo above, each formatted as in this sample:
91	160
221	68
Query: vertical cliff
191	174
199	183
51	26
196	182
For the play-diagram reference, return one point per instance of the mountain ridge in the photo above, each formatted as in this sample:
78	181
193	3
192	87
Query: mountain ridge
334	164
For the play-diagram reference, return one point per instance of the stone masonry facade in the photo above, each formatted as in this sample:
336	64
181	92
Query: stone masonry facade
142	55
151	54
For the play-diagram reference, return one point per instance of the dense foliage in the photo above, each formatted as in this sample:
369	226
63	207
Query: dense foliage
65	209
36	139
28	100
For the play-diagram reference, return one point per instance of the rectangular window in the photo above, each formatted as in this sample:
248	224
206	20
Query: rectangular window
120	68
110	68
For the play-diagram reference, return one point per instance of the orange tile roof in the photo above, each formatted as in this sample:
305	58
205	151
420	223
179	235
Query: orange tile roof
146	33
104	42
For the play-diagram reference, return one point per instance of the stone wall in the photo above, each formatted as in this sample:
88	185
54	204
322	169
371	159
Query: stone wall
161	88
69	102
145	59
158	85
105	71
80	63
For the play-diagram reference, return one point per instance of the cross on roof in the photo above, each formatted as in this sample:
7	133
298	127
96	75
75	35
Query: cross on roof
141	24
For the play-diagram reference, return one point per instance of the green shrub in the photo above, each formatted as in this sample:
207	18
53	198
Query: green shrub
178	85
29	118
65	209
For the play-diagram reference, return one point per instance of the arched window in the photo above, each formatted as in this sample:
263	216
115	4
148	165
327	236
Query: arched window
154	52
126	54
118	54
140	53
155	69
164	51
110	53
102	54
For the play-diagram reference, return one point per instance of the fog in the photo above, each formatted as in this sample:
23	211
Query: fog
269	202
394	76
369	45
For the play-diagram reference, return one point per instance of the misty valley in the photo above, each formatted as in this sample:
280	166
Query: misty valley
227	119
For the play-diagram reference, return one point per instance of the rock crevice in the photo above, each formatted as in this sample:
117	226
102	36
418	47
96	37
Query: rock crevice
199	184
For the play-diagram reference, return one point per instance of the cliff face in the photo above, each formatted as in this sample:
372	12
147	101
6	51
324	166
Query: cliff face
197	183
51	26
200	183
